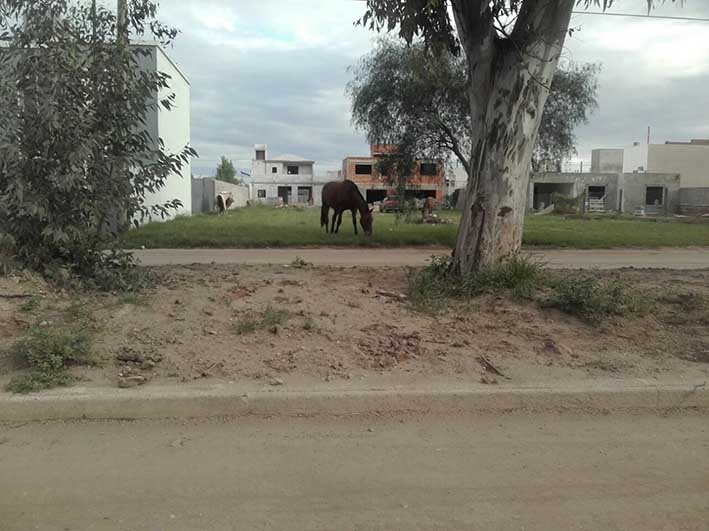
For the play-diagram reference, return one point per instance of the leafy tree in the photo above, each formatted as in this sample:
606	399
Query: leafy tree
407	96
571	99
76	160
511	51
227	172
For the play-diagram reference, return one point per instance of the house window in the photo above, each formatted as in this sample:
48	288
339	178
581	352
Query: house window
429	169
260	155
274	169
262	194
363	169
654	195
293	170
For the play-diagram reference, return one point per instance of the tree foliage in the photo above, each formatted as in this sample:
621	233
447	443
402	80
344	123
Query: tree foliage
430	19
407	96
227	172
76	157
511	50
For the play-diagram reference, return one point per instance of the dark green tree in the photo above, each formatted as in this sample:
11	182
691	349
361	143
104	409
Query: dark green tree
76	157
226	171
408	96
571	100
511	49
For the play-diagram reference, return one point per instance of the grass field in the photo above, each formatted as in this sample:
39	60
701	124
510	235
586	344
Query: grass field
268	227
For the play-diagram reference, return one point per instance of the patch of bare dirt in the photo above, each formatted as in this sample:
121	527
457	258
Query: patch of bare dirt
280	324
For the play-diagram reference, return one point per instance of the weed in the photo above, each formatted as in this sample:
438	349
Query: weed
31	305
430	288
246	326
48	352
588	298
271	317
309	324
299	263
434	285
519	275
132	298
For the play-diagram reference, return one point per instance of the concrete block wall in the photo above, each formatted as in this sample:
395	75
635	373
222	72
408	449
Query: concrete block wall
694	201
634	187
205	191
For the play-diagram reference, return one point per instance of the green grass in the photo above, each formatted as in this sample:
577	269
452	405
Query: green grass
268	227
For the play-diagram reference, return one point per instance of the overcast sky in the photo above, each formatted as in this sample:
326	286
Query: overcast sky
274	71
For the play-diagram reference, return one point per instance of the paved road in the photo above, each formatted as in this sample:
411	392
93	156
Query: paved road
534	473
695	258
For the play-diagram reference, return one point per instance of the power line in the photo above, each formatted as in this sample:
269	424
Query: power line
659	17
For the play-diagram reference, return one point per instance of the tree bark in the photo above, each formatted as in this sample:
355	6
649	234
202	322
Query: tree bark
508	83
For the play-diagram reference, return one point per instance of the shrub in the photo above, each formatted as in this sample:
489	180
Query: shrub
519	275
48	352
588	298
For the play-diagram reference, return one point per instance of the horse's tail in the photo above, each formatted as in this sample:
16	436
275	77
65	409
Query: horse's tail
324	211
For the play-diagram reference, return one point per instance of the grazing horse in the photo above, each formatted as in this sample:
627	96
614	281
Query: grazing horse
224	201
341	196
427	209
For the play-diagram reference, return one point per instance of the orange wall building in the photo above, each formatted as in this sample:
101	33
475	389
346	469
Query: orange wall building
427	180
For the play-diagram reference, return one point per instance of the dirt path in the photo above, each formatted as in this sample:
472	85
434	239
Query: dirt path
493	473
692	258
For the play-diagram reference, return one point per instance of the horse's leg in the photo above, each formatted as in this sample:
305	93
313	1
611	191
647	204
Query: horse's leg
339	220
334	220
354	220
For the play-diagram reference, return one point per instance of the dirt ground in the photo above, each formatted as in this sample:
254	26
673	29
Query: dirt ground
206	323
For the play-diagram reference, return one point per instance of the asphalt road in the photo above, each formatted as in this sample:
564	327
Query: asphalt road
531	473
693	258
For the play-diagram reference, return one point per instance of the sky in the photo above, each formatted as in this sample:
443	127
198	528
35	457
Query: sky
275	71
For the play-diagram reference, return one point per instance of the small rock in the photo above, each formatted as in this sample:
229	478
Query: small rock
276	381
370	430
212	333
209	313
131	381
273	330
147	365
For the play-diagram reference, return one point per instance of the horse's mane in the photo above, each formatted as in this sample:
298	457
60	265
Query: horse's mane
359	193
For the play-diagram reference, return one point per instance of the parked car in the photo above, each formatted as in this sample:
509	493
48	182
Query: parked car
390	204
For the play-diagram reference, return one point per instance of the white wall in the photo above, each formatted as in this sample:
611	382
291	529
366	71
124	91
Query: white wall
690	161
173	127
634	157
239	192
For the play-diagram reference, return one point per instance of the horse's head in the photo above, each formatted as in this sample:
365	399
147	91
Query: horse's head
366	219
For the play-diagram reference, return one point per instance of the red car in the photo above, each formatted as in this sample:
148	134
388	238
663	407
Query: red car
390	204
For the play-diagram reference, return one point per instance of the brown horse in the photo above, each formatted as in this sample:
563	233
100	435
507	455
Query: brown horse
341	196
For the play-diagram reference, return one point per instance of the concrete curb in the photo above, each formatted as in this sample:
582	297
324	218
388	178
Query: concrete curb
229	400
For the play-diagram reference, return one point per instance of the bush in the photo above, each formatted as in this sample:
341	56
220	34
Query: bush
519	275
588	298
76	163
566	204
432	286
48	353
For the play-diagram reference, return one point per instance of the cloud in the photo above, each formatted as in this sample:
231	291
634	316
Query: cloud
275	71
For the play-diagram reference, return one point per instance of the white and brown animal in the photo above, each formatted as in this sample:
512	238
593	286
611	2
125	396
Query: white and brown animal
224	202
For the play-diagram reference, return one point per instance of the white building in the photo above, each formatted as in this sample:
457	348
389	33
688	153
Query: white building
172	126
689	159
289	177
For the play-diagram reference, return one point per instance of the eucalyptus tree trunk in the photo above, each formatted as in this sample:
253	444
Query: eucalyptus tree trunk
509	84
